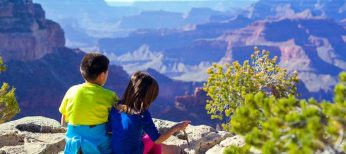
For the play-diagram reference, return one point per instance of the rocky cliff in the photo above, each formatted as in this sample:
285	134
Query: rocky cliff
40	135
307	36
39	66
313	47
25	33
334	9
193	107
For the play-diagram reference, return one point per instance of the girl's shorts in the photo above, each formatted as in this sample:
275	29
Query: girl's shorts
150	147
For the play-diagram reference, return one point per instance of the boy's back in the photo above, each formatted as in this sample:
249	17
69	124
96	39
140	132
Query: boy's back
87	104
85	108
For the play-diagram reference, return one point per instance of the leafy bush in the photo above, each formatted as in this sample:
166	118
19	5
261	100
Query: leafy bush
291	125
8	102
228	85
259	101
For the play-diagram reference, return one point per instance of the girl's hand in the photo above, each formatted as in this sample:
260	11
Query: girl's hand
181	125
178	127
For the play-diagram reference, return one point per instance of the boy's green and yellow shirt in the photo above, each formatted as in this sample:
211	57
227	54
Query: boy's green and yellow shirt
87	104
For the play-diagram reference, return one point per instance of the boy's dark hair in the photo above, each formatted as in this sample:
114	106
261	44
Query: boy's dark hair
141	91
92	65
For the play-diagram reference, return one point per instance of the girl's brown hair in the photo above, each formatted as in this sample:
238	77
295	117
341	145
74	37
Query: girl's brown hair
141	91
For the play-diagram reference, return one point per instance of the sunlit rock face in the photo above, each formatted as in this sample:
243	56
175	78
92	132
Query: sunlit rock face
25	33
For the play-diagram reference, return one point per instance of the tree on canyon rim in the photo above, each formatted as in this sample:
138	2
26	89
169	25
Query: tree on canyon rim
289	125
228	84
259	100
8	102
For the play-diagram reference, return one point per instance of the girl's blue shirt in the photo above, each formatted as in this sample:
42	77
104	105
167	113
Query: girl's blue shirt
127	131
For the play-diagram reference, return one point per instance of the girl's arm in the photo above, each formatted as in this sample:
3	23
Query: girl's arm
178	127
151	130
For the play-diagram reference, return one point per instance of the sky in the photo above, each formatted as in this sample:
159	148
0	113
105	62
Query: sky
130	2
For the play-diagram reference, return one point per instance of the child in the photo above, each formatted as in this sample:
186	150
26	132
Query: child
85	108
130	117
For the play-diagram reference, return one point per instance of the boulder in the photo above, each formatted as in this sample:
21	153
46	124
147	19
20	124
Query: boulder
201	137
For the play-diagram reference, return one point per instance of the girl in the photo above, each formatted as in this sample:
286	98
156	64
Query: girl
130	117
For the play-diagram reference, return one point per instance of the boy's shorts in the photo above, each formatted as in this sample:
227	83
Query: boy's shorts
150	147
91	140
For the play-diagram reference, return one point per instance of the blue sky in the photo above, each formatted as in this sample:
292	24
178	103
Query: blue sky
129	1
237	3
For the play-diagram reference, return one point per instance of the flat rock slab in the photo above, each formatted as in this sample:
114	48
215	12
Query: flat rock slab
32	135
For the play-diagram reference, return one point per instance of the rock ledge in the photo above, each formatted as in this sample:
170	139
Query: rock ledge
41	135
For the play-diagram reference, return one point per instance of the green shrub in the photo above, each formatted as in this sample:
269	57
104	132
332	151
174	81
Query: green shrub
228	85
8	102
290	125
259	101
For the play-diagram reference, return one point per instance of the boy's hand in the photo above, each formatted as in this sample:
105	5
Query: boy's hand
182	125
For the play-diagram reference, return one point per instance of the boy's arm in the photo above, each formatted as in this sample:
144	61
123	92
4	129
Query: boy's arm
62	108
63	121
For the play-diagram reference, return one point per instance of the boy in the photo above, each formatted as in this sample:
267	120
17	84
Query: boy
85	108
